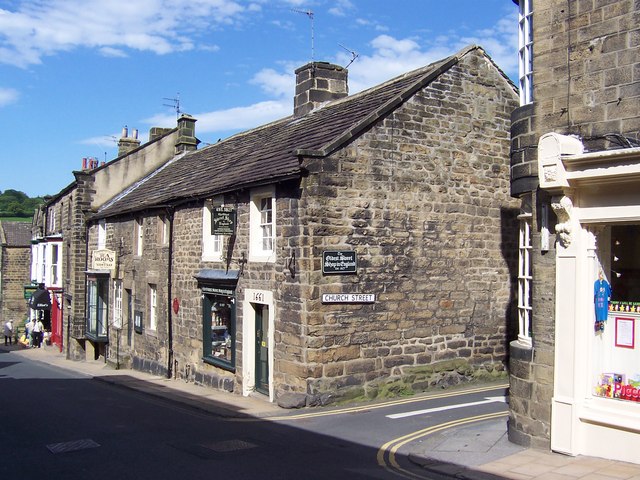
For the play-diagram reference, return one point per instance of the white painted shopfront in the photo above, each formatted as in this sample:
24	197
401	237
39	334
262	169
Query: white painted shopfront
596	196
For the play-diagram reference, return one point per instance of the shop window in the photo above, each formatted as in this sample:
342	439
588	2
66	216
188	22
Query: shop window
97	302
616	347
219	330
525	51
524	282
263	225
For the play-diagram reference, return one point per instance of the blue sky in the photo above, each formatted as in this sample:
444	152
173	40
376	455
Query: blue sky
73	73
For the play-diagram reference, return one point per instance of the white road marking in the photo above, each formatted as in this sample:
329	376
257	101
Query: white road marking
448	407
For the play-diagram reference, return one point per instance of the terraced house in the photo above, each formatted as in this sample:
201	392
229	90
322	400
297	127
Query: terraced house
576	169
363	245
59	233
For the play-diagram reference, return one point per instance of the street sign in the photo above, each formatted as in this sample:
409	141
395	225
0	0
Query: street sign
348	298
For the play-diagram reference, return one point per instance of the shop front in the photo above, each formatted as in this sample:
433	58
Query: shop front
596	197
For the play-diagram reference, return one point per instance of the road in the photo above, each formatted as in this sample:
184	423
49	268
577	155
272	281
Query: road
63	425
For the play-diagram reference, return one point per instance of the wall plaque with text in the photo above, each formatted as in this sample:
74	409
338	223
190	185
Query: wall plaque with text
223	221
339	262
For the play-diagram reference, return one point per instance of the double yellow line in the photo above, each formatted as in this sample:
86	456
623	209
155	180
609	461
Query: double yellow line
387	453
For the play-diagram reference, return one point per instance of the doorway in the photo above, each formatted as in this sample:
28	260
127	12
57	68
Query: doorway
262	348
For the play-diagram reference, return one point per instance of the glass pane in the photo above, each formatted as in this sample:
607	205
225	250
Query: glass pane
221	328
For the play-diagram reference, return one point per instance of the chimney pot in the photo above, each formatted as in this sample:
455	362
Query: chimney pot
125	132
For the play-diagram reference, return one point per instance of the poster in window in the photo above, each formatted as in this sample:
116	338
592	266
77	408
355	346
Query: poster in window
625	332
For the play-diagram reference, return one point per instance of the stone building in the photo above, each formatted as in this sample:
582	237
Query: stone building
59	253
15	257
362	247
575	165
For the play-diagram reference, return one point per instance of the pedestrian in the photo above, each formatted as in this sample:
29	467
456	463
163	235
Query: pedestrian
28	330
8	332
36	334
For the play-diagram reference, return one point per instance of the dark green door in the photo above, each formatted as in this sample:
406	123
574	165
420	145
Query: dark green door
262	348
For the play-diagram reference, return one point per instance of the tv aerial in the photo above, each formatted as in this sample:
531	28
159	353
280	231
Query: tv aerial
309	14
353	53
175	104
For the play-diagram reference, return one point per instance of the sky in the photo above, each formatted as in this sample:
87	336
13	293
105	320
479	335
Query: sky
73	73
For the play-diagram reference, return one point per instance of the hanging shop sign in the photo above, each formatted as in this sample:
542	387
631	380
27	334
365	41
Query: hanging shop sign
348	298
223	221
103	259
28	291
339	262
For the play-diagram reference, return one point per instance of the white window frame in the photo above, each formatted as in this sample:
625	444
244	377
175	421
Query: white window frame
139	235
211	244
524	280
55	264
117	303
163	229
153	307
525	51
262	225
102	234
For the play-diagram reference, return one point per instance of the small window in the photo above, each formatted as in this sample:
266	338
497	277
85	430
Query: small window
139	235
263	226
55	265
211	244
525	51
153	307
524	281
163	230
117	303
102	234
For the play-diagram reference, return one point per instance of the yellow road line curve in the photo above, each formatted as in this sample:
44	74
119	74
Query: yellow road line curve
386	456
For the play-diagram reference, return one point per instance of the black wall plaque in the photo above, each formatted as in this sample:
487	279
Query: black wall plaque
223	221
339	262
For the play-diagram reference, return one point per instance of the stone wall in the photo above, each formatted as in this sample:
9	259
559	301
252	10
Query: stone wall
16	272
423	199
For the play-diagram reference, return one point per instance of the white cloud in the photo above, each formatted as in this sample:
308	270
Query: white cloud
341	8
8	95
40	28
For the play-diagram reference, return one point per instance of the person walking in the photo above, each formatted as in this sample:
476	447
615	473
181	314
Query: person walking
36	334
28	331
8	332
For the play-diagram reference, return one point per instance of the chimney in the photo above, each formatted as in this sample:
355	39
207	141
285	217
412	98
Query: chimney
187	140
157	132
127	143
318	83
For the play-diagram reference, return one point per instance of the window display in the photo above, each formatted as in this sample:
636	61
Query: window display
616	361
220	330
219	327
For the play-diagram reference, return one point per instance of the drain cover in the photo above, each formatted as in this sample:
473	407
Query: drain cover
72	446
229	446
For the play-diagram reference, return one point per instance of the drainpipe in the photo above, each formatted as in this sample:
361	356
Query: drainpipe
170	214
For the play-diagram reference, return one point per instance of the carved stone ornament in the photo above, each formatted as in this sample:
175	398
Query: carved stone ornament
564	228
550	173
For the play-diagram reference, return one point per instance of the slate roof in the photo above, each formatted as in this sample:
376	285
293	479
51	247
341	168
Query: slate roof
272	152
15	234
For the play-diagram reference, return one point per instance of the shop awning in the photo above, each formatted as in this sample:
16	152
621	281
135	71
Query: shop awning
40	300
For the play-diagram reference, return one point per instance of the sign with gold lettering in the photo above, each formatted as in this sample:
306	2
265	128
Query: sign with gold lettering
103	259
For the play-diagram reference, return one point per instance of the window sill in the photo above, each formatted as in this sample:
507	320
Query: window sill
216	362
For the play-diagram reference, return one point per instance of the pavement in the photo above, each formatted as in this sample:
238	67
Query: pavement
475	451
